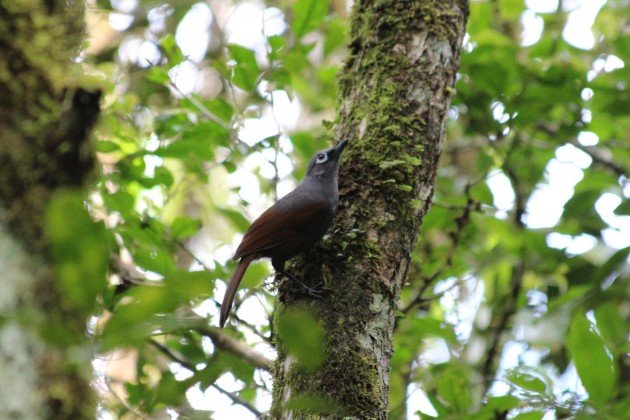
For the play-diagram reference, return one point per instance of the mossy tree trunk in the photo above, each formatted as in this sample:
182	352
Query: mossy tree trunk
395	93
44	120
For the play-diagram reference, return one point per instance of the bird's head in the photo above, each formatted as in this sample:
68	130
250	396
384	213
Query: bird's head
325	164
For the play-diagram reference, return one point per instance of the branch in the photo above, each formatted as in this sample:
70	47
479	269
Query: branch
108	383
232	345
488	369
598	155
204	111
455	235
600	158
235	398
520	196
516	284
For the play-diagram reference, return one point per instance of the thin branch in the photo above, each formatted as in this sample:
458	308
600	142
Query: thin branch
510	305
457	283
600	158
455	236
238	400
204	111
598	155
234	346
520	196
167	352
242	322
198	260
172	356
121	400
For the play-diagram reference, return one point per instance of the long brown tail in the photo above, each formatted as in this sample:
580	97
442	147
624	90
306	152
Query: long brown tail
226	306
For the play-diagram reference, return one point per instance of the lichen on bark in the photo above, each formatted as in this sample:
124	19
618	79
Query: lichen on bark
395	91
44	121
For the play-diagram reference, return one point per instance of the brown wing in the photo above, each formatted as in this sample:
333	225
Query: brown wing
281	222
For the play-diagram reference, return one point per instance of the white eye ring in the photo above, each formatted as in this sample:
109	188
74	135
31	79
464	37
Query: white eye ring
322	157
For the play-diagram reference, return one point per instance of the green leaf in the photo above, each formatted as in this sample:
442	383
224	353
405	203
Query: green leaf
511	9
610	323
335	35
527	381
277	44
496	406
163	176
209	374
611	265
581	209
104	4
79	249
453	388
121	201
171	49
184	149
137	394
308	15
622	45
106	146
594	362
236	217
246	70
623	209
221	362
248	395
255	275
190	348
221	109
184	227
191	285
440	408
154	258
239	367
158	75
136	320
302	336
170	391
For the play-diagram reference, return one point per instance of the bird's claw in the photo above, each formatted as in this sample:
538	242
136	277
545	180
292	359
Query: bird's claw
317	292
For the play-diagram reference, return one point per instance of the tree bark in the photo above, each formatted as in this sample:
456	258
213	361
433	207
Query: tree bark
44	120
395	93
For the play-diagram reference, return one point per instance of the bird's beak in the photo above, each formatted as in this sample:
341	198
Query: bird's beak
339	148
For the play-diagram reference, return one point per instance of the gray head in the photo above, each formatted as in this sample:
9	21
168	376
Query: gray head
325	164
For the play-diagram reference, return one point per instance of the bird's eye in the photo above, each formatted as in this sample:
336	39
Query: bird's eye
322	157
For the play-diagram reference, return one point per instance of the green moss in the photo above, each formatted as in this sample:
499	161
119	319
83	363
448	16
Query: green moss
386	98
36	81
394	126
348	364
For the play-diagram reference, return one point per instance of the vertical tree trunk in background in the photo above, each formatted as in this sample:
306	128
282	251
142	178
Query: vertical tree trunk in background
44	119
395	92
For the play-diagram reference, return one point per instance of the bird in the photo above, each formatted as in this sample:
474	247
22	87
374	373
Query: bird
292	225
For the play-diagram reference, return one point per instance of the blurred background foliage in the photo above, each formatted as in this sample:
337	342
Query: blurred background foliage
517	302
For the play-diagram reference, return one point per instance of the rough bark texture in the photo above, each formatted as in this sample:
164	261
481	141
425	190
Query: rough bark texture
395	92
44	120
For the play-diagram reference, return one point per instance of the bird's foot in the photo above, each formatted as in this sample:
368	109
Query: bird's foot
317	291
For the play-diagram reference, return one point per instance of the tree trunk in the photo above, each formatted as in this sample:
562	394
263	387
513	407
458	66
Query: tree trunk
395	92
44	353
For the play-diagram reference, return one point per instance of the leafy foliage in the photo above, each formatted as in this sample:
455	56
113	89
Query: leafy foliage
519	283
